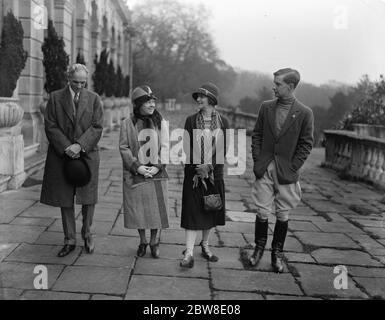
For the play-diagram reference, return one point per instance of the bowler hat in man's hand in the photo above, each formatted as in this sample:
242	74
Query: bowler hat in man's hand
76	171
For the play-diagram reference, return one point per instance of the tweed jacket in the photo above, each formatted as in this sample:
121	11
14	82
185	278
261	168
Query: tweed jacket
290	148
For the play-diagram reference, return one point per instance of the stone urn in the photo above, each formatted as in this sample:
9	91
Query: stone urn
11	142
11	113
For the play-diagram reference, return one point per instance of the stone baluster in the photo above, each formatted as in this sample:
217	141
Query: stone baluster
373	161
380	161
368	158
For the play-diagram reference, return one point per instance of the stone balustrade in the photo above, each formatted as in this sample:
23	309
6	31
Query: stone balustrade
240	120
356	156
115	109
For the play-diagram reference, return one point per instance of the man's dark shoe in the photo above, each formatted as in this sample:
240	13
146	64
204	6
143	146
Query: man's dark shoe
89	245
261	228
277	245
142	250
276	261
256	257
66	250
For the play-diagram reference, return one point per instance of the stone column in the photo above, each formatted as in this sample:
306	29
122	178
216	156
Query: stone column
11	142
83	38
63	22
31	83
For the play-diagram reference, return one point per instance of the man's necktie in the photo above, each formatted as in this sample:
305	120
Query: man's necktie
76	100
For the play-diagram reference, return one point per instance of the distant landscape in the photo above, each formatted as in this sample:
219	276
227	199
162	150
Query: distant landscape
248	84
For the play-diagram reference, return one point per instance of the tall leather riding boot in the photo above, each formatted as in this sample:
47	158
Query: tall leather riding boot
277	245
260	241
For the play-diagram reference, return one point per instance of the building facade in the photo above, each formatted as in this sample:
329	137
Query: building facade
87	27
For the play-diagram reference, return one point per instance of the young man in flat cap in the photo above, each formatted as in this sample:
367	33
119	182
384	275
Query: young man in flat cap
281	142
73	125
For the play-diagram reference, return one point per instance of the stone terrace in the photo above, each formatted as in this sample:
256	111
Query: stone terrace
338	223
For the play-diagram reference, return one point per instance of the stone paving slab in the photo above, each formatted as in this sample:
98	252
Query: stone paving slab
20	275
17	234
10	294
167	288
117	246
366	241
228	258
377	232
234	296
328	240
6	249
375	287
318	281
175	237
101	297
344	257
97	260
56	238
22	194
281	297
10	208
252	281
42	211
41	254
39	222
339	227
302	226
227	239
93	280
366	272
299	257
52	295
237	227
164	267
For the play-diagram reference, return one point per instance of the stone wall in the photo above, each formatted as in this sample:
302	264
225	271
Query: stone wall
86	26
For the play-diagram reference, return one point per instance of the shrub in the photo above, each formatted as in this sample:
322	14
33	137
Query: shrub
55	60
99	77
13	57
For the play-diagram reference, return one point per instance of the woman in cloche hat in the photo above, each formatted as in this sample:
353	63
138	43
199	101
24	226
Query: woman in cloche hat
145	185
202	174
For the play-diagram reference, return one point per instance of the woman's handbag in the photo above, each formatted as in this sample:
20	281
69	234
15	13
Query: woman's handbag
212	201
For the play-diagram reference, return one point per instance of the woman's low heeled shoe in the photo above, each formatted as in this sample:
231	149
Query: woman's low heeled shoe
208	255
187	262
142	250
155	251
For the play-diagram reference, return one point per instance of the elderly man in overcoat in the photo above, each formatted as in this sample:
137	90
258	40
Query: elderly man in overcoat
281	142
73	125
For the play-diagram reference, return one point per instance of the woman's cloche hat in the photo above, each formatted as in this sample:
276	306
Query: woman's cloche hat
209	90
142	92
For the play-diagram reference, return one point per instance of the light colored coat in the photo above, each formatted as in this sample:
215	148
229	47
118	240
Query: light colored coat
146	205
63	128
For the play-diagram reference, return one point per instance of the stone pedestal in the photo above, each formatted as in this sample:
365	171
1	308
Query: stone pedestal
12	157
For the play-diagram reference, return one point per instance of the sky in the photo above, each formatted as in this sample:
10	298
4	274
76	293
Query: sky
326	40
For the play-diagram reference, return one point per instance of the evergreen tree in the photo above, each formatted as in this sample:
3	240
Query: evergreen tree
119	88
80	58
126	86
55	60
111	80
13	57
99	77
